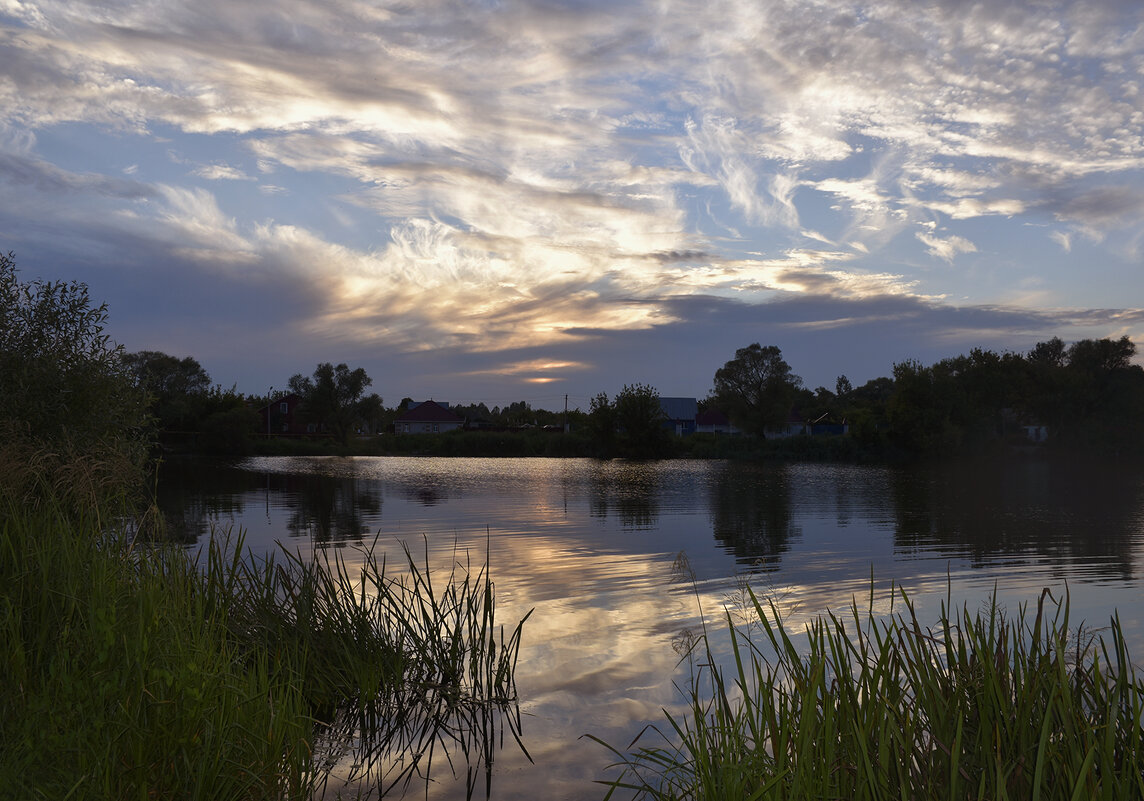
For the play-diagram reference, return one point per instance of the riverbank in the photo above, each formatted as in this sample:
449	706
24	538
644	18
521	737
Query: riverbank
535	442
133	670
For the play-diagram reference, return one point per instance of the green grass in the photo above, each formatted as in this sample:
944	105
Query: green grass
132	672
980	706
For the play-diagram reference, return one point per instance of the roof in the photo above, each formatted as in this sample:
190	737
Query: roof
679	408
429	412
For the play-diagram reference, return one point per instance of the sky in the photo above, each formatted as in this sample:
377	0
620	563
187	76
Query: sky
502	201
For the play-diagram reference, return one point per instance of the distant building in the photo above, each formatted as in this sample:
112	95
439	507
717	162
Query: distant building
828	426
714	421
794	426
427	417
280	417
679	415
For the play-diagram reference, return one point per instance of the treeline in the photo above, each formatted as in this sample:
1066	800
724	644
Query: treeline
1086	397
1081	398
67	386
188	411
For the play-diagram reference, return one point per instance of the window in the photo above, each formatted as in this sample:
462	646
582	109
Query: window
436	428
284	407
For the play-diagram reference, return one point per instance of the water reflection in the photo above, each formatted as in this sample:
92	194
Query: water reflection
1068	517
332	510
591	546
193	495
628	490
751	513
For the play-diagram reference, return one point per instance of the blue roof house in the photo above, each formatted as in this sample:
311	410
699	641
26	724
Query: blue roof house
679	415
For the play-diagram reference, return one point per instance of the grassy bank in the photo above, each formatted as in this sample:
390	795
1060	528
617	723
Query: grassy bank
981	706
130	671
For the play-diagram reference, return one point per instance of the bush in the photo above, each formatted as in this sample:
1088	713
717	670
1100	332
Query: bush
67	397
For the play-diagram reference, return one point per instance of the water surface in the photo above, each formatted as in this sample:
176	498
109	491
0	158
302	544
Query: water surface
622	560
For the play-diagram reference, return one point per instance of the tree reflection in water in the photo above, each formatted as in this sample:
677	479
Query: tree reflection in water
332	510
628	489
1067	515
751	513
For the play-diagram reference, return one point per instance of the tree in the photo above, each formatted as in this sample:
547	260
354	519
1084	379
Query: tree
639	417
601	422
176	388
1048	354
335	397
64	385
756	388
1101	356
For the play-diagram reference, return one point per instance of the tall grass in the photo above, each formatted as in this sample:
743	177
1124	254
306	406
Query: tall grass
132	672
983	705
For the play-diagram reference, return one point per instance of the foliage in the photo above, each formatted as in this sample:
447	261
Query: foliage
631	425
188	411
980	706
602	422
229	424
757	388
67	394
639	417
174	387
1086	395
335	397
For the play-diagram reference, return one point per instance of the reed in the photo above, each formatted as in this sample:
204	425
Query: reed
981	705
136	671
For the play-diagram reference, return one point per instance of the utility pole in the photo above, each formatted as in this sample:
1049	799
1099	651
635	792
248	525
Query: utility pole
565	414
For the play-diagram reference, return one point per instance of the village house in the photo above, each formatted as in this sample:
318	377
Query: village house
714	421
280	418
679	415
427	417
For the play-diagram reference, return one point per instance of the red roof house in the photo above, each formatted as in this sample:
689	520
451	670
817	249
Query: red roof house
427	417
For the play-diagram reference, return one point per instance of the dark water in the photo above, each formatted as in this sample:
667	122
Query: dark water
595	547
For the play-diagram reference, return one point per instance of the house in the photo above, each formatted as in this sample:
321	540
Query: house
794	426
679	415
828	426
714	421
280	417
427	417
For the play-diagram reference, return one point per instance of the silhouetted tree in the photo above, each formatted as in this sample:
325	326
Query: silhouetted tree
756	388
601	423
639	418
175	387
335	397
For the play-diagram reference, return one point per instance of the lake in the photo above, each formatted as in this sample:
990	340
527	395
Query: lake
623	561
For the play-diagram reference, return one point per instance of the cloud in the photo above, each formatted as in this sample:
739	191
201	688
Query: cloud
467	176
945	248
220	172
